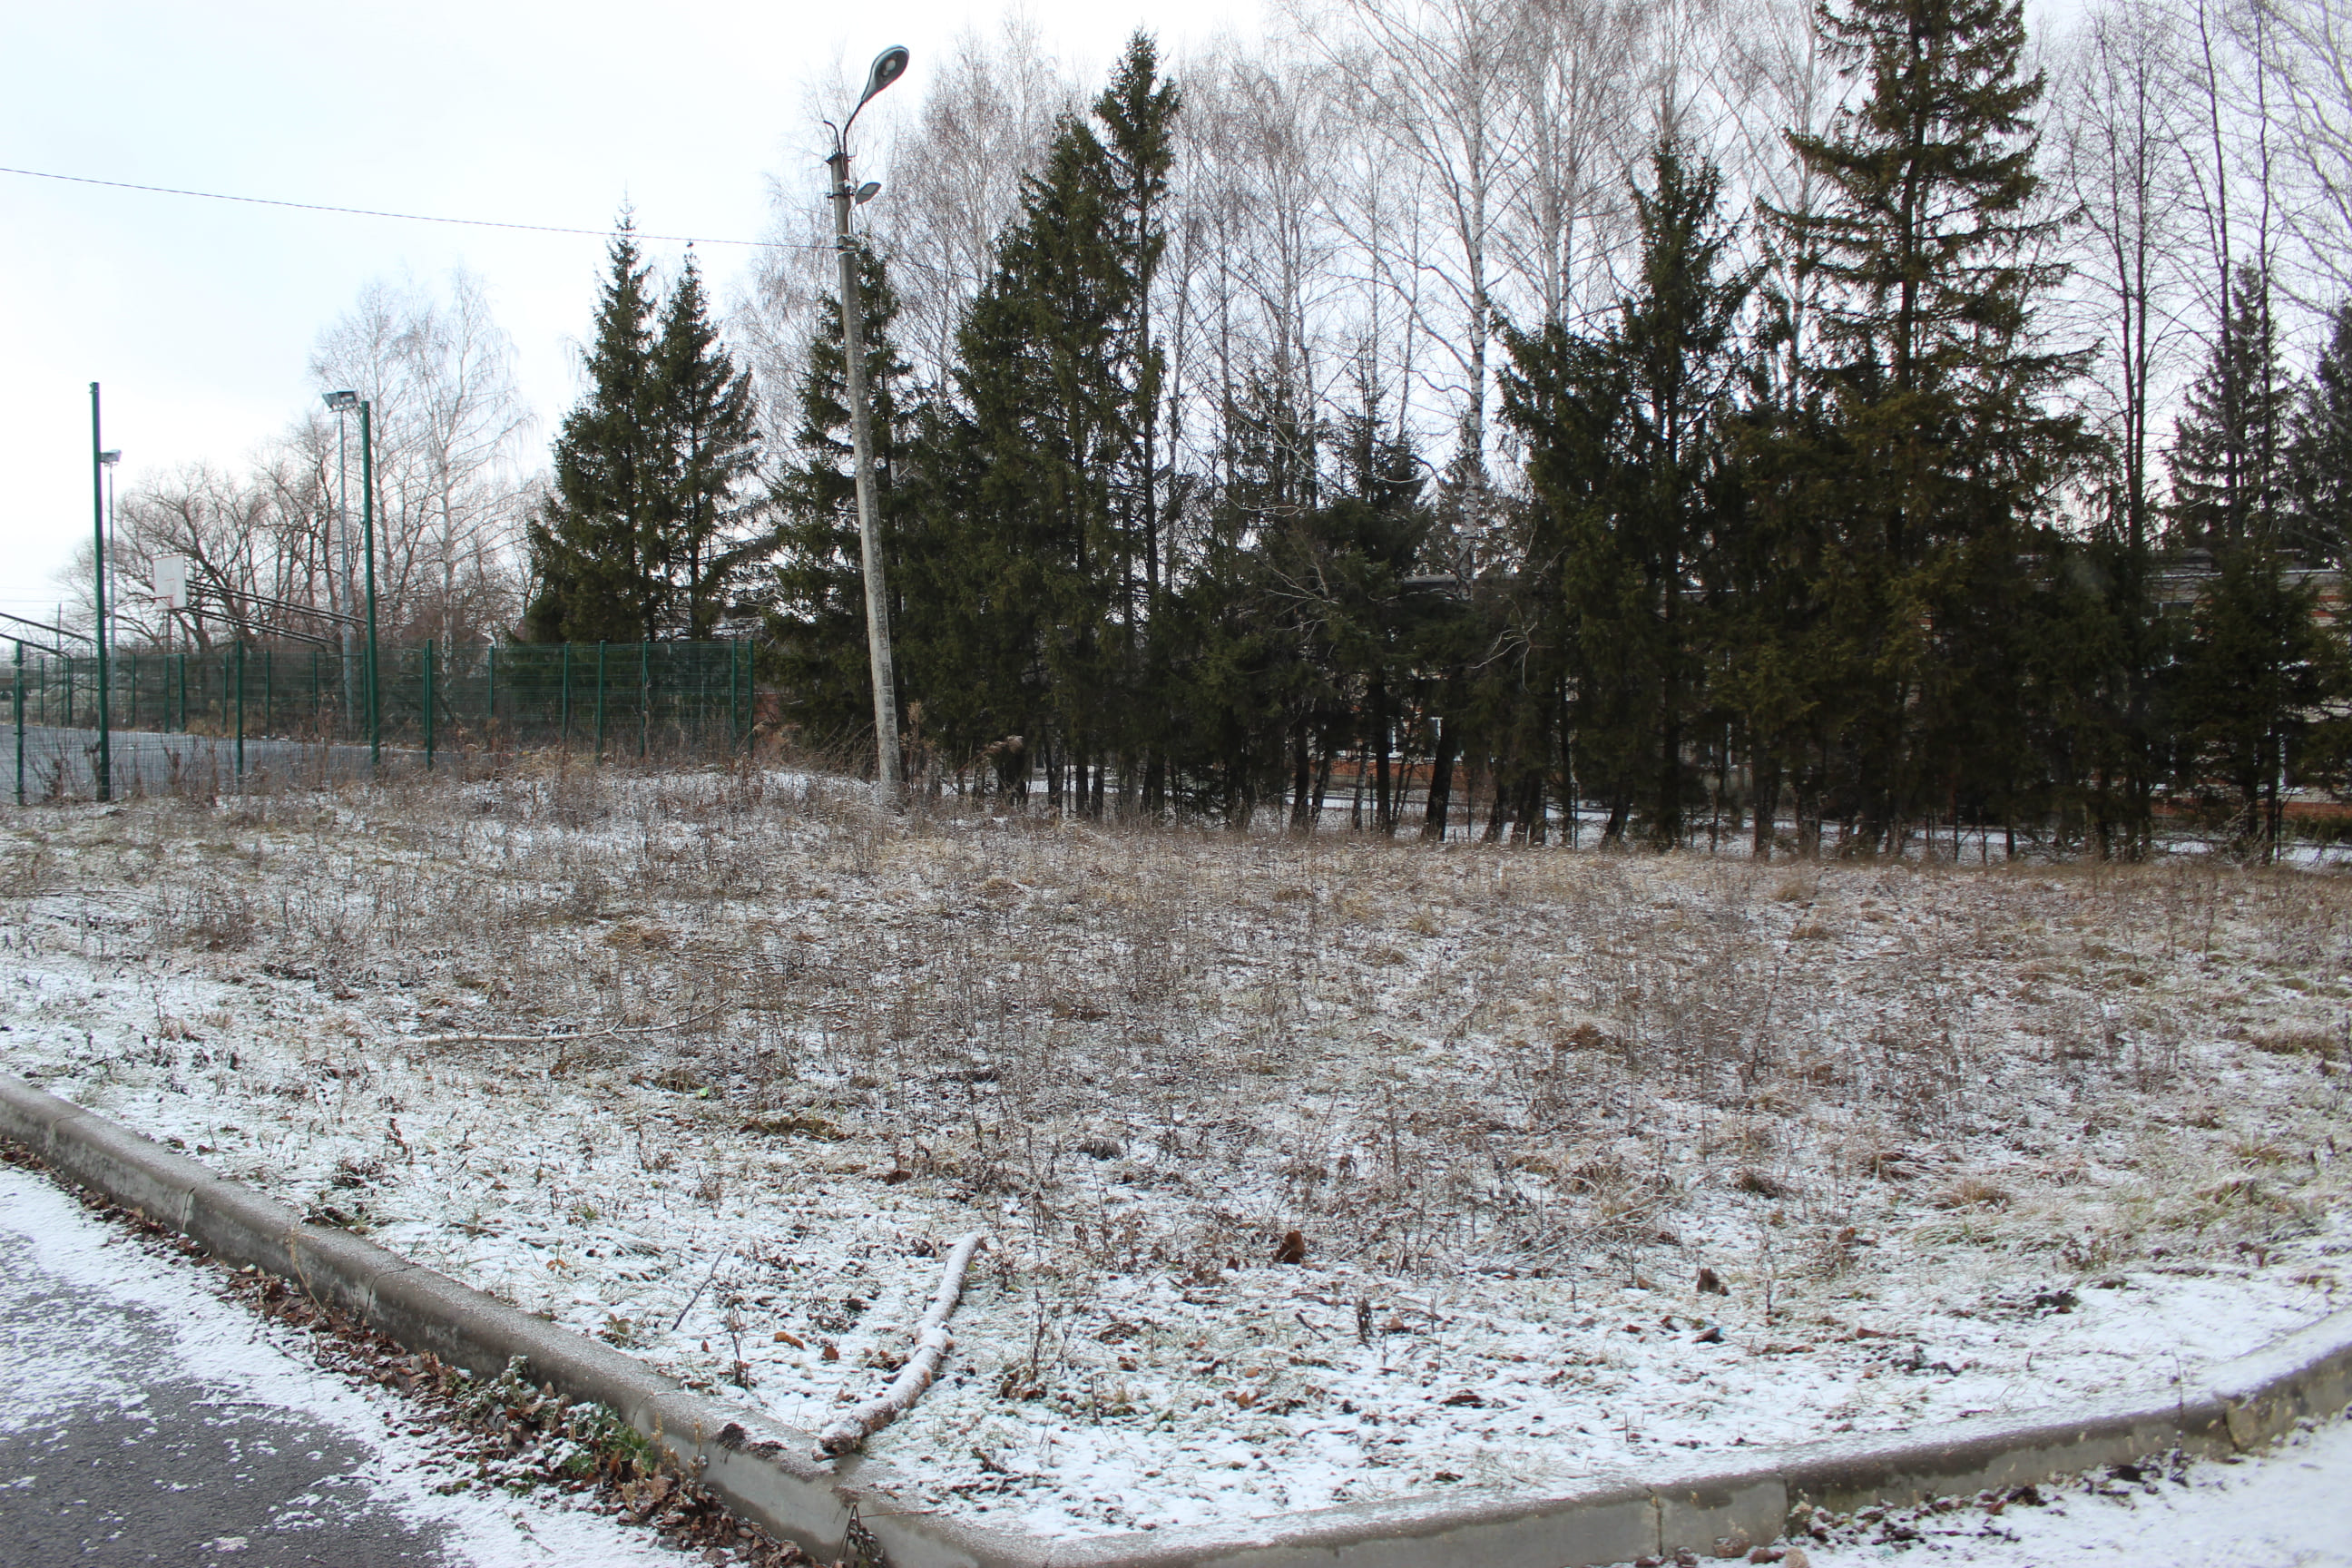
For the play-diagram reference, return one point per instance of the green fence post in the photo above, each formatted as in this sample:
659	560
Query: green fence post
645	695
428	707
68	663
268	690
240	708
600	699
318	696
567	696
20	723
183	694
490	702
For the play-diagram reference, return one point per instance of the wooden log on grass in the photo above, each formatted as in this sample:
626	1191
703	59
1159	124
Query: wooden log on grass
931	1346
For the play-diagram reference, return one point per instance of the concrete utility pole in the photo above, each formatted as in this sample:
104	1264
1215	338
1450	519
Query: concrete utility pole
889	67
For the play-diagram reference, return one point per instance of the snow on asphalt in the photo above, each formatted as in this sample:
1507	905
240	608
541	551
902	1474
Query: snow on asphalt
248	1363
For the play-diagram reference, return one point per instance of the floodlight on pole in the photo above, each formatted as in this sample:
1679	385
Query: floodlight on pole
889	67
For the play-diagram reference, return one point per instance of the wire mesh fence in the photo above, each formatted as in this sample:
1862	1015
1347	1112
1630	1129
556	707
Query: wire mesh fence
608	700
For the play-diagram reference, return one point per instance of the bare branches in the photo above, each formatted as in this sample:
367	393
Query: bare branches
2304	55
931	1346
448	421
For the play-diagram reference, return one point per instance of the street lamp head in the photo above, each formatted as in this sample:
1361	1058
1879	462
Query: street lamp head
889	67
110	459
868	191
339	401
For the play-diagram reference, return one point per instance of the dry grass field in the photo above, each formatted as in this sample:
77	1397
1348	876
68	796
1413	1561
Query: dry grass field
1314	1169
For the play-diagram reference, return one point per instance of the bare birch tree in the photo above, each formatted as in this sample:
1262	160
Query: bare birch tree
2121	144
955	176
447	418
1577	76
1433	81
2306	63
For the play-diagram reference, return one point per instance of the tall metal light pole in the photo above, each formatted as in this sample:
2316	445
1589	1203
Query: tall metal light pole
339	549
110	459
97	591
889	67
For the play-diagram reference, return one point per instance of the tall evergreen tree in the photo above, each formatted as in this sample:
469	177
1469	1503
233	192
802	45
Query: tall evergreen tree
1240	637
1060	381
2319	453
2229	446
707	534
645	529
595	540
1633	489
2257	667
1942	449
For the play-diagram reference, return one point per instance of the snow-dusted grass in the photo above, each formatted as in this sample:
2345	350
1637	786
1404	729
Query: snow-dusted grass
1589	1156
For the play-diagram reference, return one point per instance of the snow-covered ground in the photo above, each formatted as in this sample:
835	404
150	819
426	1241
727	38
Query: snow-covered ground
1589	1158
142	1325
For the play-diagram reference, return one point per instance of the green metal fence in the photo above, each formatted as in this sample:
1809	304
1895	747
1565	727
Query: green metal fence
608	700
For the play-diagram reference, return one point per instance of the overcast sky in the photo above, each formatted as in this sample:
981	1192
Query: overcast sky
198	317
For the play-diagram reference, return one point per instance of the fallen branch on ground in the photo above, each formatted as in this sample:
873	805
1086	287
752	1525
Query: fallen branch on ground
931	1345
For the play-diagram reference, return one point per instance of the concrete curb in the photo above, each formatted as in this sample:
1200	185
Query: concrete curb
762	1469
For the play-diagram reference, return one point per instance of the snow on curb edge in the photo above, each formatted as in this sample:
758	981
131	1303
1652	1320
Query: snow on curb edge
759	1466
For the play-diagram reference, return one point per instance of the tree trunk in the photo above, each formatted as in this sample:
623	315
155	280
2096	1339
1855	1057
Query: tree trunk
1302	780
1441	779
1765	769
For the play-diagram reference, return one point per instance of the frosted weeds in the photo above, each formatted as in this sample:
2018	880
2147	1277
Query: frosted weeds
1947	1140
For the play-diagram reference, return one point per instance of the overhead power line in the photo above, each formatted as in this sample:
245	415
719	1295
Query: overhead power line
403	217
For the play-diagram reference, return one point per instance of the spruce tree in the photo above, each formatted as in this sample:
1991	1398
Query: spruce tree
1940	449
818	625
1628	460
2229	446
2319	453
707	534
1138	112
2257	666
595	540
1060	379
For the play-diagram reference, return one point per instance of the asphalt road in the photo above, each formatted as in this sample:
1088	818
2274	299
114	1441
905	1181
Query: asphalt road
145	1420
